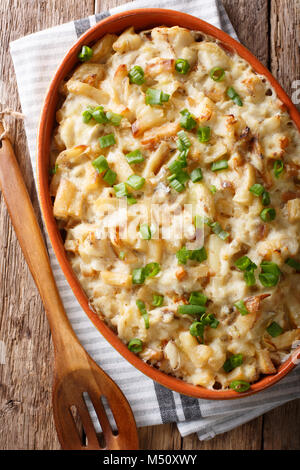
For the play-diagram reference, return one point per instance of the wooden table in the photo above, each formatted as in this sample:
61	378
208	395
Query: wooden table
270	29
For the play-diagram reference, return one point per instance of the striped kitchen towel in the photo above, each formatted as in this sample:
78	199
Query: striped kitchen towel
35	59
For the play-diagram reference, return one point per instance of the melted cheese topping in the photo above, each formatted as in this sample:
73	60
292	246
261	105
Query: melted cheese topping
250	138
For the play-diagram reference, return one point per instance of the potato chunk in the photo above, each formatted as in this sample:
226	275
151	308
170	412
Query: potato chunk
68	201
293	207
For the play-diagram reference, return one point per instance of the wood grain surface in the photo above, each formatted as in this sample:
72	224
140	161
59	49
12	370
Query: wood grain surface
271	30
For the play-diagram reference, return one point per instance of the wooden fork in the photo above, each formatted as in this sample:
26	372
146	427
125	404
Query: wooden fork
75	372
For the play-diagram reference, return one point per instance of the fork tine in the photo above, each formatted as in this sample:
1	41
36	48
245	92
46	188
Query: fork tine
88	425
66	427
126	428
102	416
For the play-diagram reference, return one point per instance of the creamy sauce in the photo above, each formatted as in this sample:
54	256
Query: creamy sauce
250	138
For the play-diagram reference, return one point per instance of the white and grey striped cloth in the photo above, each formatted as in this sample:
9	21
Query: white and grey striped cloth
35	59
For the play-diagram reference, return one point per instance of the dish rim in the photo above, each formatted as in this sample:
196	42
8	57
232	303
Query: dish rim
141	19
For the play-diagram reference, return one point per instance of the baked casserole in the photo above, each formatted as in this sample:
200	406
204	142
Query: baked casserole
176	181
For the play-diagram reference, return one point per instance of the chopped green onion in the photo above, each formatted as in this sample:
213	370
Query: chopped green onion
270	267
181	176
268	214
239	386
156	97
99	115
213	189
270	274
178	177
241	307
175	166
138	276
232	362
131	200
274	329
182	66
121	190
157	300
237	100
107	140
278	168
233	95
293	264
183	142
171	177
198	298
87	115
198	255
217	74
100	164
243	263
110	177
191	309
175	184
145	231
266	198
183	255
249	278
182	158
134	157
85	54
151	269
220	165
211	321
204	134
142	308
164	97
268	279
122	255
197	329
187	121
153	97
136	181
136	75
207	220
257	189
217	229
114	118
135	345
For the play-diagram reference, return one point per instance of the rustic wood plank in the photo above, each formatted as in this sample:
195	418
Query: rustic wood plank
103	5
246	437
281	426
165	436
25	379
285	42
25	390
250	21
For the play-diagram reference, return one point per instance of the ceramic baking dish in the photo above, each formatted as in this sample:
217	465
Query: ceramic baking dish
140	19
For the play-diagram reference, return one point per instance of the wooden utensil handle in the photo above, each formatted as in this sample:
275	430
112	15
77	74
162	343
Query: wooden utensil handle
32	243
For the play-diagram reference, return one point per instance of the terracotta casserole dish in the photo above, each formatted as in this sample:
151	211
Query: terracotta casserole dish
140	19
